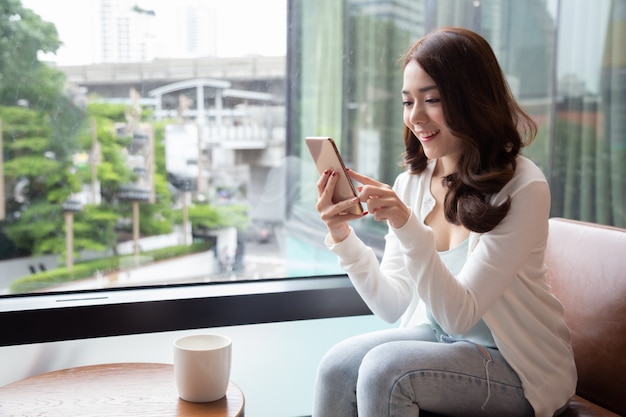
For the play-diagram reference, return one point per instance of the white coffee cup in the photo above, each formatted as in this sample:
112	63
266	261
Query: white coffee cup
202	367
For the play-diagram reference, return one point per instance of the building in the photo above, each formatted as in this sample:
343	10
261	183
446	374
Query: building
228	130
123	31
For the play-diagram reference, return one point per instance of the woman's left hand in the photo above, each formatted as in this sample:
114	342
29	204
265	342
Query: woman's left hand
382	202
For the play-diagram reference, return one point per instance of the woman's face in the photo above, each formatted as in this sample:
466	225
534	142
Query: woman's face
423	114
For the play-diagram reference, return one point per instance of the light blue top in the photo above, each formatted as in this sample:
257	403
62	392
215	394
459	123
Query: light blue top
454	259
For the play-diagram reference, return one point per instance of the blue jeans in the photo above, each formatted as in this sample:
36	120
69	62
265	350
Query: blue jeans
406	372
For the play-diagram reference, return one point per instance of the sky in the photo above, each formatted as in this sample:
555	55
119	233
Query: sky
244	27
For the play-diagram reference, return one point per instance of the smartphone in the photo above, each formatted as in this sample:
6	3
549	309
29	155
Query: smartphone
327	157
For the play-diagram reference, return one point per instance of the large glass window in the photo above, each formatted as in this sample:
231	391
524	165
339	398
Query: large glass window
142	142
161	143
563	59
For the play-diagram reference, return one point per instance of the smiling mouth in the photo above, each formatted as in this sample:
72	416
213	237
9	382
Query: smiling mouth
427	135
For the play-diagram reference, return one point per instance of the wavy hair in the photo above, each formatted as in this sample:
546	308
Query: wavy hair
479	108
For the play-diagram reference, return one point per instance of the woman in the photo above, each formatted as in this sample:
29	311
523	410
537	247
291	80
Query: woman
463	266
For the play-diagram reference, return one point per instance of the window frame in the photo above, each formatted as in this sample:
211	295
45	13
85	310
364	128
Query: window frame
54	317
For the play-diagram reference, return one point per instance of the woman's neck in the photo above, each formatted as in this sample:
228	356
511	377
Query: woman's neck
444	167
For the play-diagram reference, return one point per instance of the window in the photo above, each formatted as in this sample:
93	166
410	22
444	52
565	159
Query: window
173	159
141	152
562	60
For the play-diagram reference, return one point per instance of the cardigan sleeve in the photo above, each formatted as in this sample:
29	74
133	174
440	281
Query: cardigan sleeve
387	289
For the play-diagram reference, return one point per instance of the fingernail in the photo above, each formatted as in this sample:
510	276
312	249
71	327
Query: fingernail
365	213
334	174
326	172
360	188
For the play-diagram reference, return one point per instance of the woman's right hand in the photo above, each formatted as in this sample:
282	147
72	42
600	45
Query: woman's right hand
336	216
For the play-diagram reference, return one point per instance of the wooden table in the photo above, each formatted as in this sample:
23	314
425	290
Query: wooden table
120	389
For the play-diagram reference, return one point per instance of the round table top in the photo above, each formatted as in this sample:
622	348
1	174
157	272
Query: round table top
119	389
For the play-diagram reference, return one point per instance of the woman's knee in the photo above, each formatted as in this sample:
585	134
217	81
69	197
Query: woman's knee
381	368
340	362
380	387
343	360
392	364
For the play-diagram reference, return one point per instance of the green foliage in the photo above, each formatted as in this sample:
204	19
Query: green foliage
34	222
155	219
159	154
58	276
23	35
38	228
22	124
234	215
94	228
88	269
115	113
66	121
213	217
26	81
39	125
204	215
113	171
30	159
31	166
39	145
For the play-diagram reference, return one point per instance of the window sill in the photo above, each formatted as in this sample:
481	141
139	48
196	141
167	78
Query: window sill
81	315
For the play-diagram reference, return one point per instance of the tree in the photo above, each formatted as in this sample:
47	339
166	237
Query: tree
113	171
26	80
40	182
40	122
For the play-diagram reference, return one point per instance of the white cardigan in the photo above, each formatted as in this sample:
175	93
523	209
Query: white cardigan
503	281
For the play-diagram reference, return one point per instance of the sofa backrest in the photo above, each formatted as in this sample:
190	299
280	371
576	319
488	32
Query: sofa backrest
587	271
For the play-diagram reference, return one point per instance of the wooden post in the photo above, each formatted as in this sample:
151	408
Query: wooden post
185	216
69	240
95	160
136	231
200	186
151	168
2	209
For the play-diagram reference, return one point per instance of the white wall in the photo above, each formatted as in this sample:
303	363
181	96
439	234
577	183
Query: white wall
274	364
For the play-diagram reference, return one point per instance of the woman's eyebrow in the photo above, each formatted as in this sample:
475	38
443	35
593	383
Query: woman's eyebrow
422	89
427	88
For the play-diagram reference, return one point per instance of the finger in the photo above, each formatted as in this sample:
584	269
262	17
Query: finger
346	206
363	179
323	183
391	210
341	212
376	203
369	192
326	188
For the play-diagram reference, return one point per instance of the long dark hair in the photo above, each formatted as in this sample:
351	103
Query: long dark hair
480	109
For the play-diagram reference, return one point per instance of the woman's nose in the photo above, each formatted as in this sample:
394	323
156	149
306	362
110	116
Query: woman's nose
418	115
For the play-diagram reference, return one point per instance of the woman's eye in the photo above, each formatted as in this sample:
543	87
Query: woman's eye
406	103
432	100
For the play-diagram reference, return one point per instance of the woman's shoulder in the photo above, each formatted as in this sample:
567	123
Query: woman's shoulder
527	169
526	173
